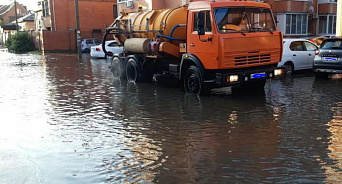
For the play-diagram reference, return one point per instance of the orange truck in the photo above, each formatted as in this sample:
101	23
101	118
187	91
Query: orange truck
204	44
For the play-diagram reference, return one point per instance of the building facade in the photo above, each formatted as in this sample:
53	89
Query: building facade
7	12
94	15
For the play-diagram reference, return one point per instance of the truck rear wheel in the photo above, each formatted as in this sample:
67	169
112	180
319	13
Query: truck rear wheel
193	82
133	70
118	68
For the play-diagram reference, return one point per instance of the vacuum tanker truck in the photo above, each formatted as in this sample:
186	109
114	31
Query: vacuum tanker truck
204	45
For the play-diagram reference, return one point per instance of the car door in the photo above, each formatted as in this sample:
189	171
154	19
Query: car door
310	51
299	55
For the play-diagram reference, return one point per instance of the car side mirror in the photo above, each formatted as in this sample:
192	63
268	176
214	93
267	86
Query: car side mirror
200	23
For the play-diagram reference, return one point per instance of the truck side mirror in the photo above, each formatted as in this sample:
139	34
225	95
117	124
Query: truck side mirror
200	23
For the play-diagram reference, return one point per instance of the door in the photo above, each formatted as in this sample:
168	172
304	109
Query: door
310	51
202	46
299	55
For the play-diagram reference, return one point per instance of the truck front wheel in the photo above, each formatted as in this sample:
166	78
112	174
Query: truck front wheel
193	82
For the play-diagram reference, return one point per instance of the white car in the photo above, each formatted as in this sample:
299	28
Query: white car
111	46
298	54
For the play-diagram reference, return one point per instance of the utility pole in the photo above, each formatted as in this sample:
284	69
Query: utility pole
78	31
16	16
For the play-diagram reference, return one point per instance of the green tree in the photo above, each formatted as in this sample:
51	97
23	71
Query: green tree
1	22
21	42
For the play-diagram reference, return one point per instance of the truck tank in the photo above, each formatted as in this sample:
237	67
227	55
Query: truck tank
168	24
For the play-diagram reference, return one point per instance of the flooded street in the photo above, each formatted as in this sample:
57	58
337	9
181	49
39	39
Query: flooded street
65	121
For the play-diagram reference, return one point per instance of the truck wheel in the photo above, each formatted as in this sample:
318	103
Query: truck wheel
133	70
117	68
193	82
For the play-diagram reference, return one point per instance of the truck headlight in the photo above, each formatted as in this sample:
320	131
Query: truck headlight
233	78
278	72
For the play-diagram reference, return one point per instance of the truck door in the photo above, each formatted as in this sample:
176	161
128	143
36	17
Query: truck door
202	46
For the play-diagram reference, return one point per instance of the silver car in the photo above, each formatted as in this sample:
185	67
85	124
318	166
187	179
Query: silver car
88	42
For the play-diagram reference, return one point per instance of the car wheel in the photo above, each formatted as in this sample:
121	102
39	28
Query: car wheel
289	68
86	50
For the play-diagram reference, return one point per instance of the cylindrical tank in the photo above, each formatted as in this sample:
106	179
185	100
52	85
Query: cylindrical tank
152	23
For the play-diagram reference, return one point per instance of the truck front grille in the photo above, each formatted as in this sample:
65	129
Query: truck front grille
252	59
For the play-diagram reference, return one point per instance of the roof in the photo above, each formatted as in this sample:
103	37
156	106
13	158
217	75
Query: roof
5	8
28	17
9	27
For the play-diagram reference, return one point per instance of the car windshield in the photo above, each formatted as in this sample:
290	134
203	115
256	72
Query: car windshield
332	44
98	42
244	19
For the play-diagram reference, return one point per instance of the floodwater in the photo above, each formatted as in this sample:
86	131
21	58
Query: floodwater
64	121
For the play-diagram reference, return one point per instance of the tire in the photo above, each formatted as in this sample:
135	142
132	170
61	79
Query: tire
289	68
118	68
86	50
193	82
133	71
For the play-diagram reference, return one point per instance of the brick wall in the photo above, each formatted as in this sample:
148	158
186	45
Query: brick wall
93	14
11	14
59	40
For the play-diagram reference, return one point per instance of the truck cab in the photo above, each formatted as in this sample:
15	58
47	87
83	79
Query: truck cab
236	42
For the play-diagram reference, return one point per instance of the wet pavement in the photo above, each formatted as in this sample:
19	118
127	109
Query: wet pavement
64	121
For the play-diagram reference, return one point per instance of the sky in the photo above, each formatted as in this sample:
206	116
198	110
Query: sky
30	4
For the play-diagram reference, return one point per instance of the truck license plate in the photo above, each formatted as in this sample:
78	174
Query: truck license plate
258	75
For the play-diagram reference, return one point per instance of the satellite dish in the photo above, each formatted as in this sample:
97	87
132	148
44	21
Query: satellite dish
311	9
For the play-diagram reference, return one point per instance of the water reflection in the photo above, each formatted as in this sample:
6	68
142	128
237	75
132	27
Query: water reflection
86	127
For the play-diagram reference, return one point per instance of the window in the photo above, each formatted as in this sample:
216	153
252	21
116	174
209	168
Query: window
89	41
46	9
310	47
207	24
113	44
327	24
297	46
332	44
244	19
296	24
97	41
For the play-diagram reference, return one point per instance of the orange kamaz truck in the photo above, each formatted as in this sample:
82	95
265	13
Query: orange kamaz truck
204	44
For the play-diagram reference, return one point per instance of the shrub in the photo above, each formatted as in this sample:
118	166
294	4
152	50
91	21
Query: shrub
20	42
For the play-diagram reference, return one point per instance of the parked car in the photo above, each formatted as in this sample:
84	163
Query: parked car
319	39
111	46
298	54
329	58
87	43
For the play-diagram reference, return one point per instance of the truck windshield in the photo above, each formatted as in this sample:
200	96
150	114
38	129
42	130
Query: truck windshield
250	19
